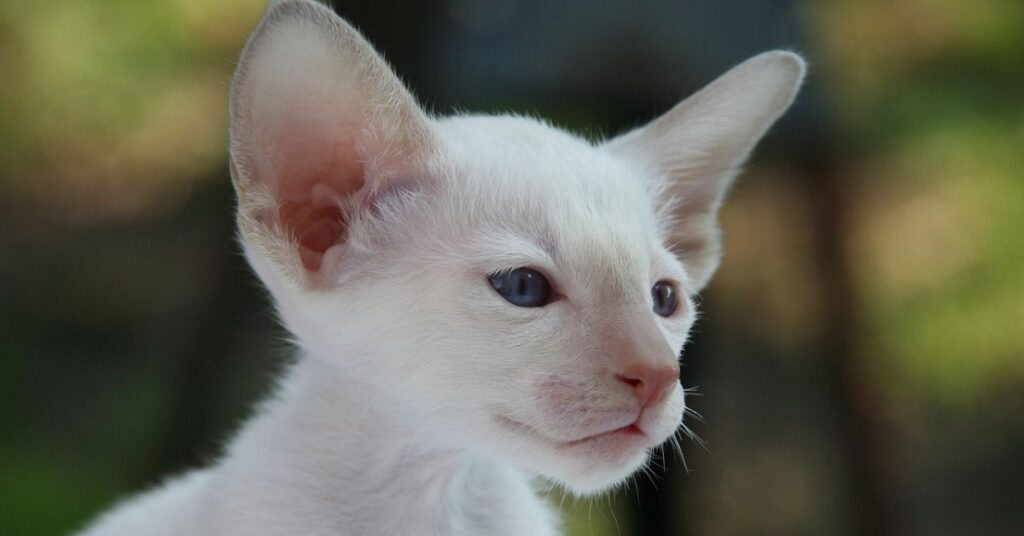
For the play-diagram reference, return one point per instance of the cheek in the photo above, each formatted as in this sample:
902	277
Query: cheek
452	338
663	423
677	329
544	352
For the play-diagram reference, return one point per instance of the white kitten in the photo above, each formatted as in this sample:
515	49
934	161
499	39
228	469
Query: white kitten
477	299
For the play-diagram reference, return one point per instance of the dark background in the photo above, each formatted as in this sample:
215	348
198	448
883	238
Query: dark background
861	354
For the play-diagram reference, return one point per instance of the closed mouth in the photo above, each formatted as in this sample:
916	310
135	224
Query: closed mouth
631	432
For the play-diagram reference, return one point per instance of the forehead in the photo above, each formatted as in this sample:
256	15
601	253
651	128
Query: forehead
547	189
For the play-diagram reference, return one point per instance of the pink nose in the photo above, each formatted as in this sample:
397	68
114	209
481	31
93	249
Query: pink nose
650	382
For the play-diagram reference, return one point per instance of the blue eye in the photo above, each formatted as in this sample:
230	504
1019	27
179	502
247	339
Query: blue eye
665	299
523	287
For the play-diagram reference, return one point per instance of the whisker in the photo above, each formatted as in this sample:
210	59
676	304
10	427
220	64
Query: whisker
696	415
679	450
611	509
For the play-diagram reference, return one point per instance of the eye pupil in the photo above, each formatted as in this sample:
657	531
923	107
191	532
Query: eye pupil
665	298
523	287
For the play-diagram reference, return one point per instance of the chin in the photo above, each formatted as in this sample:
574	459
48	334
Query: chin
585	479
588	466
594	463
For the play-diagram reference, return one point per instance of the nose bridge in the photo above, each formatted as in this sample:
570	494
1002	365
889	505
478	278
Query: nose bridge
633	339
640	358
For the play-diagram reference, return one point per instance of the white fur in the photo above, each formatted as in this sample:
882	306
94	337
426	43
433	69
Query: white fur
422	402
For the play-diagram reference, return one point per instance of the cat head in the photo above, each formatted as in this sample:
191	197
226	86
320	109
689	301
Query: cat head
504	286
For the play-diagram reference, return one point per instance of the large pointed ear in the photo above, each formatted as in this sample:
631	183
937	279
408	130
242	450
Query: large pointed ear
695	150
320	126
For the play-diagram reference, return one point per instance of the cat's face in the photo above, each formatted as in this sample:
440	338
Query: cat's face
505	287
551	385
558	390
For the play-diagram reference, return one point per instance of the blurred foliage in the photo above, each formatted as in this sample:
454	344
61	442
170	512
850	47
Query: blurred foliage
932	92
113	120
116	102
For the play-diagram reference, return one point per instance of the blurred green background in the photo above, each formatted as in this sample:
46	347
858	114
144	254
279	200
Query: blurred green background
861	355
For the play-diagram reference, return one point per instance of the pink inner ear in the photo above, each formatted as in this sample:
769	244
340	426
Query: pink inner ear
315	230
317	168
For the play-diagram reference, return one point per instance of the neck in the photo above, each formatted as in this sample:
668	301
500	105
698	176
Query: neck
320	455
